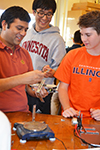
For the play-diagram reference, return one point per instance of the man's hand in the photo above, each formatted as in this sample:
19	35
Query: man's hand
70	112
95	113
33	77
49	72
43	92
33	92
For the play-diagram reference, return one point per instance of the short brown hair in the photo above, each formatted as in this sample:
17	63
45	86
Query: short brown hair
90	19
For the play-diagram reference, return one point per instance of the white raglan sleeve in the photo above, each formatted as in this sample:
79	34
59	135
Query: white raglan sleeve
58	53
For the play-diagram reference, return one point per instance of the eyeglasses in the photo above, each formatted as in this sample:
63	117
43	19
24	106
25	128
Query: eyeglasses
42	14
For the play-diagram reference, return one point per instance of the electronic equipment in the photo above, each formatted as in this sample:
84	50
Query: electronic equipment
88	133
33	130
49	87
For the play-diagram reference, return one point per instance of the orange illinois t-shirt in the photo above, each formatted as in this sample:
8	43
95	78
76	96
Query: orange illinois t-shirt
81	71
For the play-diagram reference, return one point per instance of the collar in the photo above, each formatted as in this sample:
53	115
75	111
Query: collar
3	46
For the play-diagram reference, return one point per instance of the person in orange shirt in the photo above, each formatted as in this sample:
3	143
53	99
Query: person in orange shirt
79	72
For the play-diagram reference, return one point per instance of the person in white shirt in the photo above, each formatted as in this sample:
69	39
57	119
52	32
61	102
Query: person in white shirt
46	47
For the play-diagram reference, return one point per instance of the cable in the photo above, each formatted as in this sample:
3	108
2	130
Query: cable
78	136
62	143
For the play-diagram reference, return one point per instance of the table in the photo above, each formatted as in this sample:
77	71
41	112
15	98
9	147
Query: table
62	127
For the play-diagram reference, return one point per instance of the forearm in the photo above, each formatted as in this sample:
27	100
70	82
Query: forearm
63	95
31	77
30	91
10	82
64	98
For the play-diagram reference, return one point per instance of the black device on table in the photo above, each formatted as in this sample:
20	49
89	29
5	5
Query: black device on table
33	130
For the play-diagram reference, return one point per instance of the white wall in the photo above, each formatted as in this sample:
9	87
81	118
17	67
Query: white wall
27	4
60	17
70	3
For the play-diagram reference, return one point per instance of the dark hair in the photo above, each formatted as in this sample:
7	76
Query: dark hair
44	4
90	19
12	13
77	37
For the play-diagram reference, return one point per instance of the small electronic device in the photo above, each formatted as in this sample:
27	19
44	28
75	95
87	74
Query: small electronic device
74	121
33	130
49	87
88	133
40	86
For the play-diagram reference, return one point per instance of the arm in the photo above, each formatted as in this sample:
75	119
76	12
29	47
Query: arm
43	92
26	78
64	99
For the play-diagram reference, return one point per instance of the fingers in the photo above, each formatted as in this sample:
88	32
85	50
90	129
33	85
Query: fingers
70	112
49	72
43	93
95	113
39	75
33	77
46	68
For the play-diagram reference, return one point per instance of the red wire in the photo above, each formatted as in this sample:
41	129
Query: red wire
77	131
